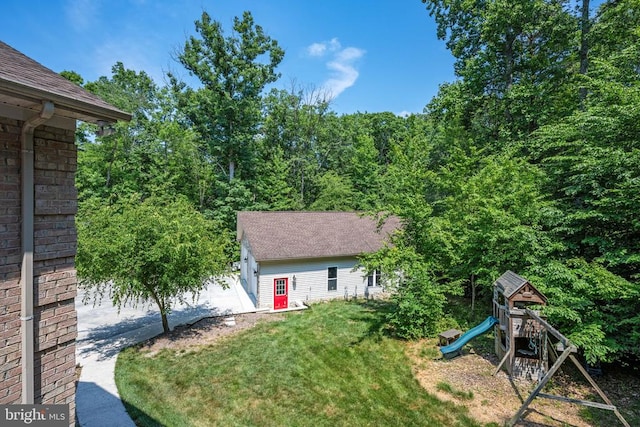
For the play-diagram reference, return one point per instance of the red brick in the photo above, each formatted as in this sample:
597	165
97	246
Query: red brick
11	300
71	336
67	307
9	284
13	292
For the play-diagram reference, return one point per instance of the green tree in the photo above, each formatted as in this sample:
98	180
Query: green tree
149	251
596	309
120	163
592	157
233	72
470	215
335	193
418	300
154	154
72	76
272	184
514	60
364	172
296	121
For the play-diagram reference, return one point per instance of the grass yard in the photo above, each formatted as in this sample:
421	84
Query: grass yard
327	366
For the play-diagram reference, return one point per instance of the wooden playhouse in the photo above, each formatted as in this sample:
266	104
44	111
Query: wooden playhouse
520	339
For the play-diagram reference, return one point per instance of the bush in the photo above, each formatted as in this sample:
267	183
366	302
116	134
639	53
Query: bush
418	307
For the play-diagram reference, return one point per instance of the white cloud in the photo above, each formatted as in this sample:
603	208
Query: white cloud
319	49
342	65
404	113
334	44
344	73
81	13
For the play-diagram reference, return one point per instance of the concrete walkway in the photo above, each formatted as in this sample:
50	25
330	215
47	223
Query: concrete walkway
103	332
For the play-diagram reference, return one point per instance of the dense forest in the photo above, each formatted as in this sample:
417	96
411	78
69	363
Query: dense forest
529	161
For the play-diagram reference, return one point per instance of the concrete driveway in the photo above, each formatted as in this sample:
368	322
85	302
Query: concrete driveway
103	332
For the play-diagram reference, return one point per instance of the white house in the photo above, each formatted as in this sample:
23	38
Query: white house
308	256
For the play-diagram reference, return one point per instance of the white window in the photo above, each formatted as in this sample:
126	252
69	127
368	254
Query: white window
332	278
373	279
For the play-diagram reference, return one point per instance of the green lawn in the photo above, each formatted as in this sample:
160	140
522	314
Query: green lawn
327	366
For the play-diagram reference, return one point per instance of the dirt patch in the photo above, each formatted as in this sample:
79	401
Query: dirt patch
206	331
495	399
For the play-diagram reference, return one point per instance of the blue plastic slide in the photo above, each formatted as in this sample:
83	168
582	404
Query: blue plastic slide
469	335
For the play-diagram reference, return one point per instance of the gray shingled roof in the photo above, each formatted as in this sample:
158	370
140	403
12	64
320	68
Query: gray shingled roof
26	83
510	282
303	235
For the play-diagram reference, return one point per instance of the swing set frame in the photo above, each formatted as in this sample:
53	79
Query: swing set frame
568	353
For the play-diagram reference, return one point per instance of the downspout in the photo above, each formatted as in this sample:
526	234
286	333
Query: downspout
26	275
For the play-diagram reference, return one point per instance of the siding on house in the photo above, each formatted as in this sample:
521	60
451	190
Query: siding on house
312	280
248	265
55	282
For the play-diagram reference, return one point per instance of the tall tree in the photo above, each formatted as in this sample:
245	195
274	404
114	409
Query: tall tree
295	121
335	193
154	154
585	25
513	58
592	156
599	311
233	71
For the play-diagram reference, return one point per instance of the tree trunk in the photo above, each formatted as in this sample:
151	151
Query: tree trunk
585	25
302	187
232	170
508	76
165	322
113	158
473	292
201	193
163	312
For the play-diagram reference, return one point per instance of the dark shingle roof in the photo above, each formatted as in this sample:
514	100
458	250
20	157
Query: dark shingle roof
25	82
303	235
510	282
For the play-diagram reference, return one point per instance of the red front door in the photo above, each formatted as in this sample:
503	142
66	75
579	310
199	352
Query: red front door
280	293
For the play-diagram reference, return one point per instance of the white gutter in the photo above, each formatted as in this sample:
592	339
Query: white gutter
90	106
26	275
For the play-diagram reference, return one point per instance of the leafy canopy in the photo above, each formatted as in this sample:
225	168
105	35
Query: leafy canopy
147	251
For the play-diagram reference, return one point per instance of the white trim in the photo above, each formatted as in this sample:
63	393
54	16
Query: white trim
23	114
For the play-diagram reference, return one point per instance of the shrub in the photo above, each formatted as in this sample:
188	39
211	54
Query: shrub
418	307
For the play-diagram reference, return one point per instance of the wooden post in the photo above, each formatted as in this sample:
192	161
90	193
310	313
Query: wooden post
567	353
504	359
577	401
541	385
600	392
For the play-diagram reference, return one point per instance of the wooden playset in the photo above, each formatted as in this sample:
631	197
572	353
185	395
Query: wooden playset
525	342
520	340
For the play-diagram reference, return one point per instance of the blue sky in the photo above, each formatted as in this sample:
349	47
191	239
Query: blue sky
372	55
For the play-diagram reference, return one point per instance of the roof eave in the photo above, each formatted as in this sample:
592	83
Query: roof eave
83	108
297	258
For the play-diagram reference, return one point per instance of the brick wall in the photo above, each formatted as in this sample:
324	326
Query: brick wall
55	325
10	258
